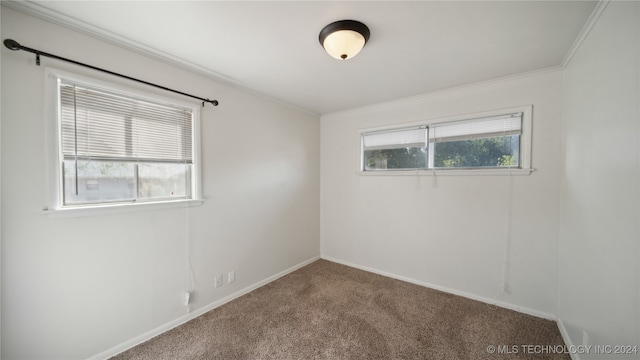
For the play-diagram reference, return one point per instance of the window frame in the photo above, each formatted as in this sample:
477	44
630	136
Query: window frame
524	167
55	203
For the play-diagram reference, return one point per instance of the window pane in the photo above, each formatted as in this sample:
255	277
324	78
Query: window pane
159	180
98	181
488	152
140	149
400	158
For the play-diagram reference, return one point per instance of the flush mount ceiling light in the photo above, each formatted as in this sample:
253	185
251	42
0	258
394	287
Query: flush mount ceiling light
344	39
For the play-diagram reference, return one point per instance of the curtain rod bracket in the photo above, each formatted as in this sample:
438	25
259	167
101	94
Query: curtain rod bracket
14	45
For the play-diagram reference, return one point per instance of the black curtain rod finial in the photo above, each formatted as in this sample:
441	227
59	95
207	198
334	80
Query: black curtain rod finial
12	44
212	102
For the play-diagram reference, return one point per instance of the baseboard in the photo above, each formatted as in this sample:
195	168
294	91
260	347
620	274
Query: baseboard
502	304
194	314
567	339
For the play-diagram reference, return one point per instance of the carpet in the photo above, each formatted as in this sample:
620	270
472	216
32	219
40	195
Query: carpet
331	311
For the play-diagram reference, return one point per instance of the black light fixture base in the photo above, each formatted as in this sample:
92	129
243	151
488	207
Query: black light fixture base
353	25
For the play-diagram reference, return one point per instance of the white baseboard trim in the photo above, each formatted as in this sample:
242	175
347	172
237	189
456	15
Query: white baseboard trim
499	303
194	314
567	340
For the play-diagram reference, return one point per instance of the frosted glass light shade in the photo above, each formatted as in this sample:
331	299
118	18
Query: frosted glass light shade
344	44
344	39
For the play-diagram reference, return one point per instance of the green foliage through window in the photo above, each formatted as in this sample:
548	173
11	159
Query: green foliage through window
483	142
489	152
402	158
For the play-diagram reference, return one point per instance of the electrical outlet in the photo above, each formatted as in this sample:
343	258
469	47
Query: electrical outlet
218	282
187	295
231	277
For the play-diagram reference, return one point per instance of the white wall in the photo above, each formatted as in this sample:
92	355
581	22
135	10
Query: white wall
450	233
74	287
599	237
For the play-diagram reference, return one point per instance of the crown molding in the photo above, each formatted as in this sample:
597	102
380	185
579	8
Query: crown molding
424	96
52	16
80	26
595	15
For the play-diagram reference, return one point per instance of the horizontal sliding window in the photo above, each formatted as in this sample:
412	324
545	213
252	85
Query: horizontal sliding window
120	149
397	149
483	142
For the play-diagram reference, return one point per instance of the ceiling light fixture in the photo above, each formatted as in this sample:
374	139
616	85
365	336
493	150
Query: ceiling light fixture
344	39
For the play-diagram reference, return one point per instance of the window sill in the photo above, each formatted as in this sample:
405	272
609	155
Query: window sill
94	210
452	172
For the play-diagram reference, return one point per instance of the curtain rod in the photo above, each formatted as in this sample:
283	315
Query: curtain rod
14	45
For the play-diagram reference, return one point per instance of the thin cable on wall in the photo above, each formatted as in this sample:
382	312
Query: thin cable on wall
505	287
189	268
14	45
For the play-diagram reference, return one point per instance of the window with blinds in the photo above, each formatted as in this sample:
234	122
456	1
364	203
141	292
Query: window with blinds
473	143
491	142
396	149
116	148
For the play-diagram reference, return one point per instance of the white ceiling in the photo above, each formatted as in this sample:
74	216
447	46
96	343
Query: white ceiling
271	47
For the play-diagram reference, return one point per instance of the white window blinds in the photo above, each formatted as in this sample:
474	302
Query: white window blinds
503	125
396	138
100	125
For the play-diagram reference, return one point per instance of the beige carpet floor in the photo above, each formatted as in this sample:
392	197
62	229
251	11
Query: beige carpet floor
330	311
